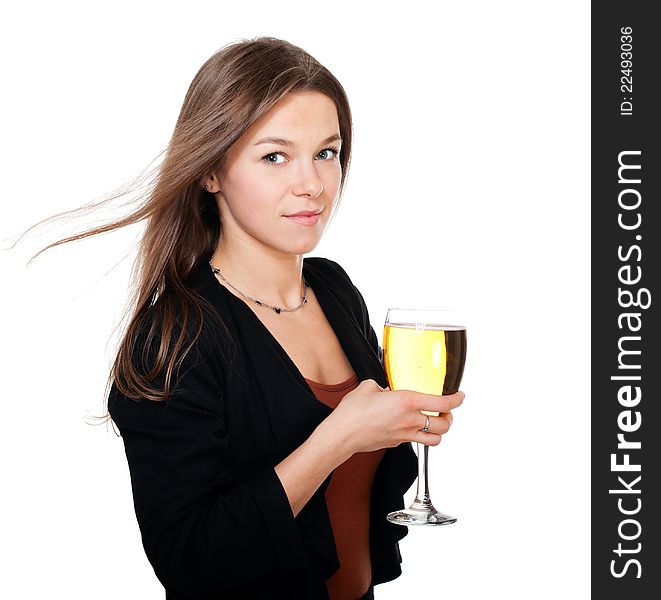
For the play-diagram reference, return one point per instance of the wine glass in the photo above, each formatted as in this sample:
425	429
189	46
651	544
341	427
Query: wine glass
424	351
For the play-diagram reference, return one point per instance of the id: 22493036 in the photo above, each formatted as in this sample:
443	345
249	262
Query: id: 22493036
626	66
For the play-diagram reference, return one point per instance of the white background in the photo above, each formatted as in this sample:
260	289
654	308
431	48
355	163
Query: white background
469	188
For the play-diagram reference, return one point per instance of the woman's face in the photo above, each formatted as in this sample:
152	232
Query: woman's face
263	181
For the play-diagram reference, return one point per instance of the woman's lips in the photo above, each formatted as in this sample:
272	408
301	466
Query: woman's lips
311	220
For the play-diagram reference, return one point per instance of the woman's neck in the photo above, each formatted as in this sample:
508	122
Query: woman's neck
273	279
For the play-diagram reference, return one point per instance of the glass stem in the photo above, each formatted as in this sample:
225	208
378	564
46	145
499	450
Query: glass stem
422	501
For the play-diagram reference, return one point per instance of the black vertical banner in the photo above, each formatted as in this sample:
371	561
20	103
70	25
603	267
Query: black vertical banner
626	265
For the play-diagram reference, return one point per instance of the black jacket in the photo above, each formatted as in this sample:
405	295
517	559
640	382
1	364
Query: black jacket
215	520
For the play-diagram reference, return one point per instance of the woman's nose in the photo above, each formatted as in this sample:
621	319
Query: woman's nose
308	183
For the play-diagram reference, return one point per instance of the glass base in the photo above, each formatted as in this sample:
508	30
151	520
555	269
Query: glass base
420	516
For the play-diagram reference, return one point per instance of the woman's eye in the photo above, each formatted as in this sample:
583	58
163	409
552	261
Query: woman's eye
325	154
268	158
329	153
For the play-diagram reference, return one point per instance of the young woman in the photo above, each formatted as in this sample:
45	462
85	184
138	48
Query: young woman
264	448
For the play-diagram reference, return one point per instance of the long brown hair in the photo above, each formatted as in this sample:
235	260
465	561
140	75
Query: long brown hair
232	89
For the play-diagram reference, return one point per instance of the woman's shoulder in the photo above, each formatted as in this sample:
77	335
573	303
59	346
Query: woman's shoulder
339	283
327	269
195	319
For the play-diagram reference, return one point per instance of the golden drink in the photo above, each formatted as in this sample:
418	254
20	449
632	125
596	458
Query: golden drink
429	360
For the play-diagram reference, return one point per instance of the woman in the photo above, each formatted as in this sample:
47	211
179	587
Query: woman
249	389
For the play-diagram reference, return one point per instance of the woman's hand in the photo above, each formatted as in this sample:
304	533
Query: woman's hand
369	417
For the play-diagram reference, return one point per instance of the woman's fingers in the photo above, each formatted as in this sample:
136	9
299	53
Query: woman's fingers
433	403
428	439
437	425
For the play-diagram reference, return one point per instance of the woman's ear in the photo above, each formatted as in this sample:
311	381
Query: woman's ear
211	184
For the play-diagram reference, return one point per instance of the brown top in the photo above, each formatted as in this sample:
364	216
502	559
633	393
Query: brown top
348	500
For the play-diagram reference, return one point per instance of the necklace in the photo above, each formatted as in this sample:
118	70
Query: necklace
276	309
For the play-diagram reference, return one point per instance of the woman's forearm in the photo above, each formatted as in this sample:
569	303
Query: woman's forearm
306	468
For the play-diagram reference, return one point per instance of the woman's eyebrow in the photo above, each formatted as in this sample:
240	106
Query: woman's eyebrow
283	142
